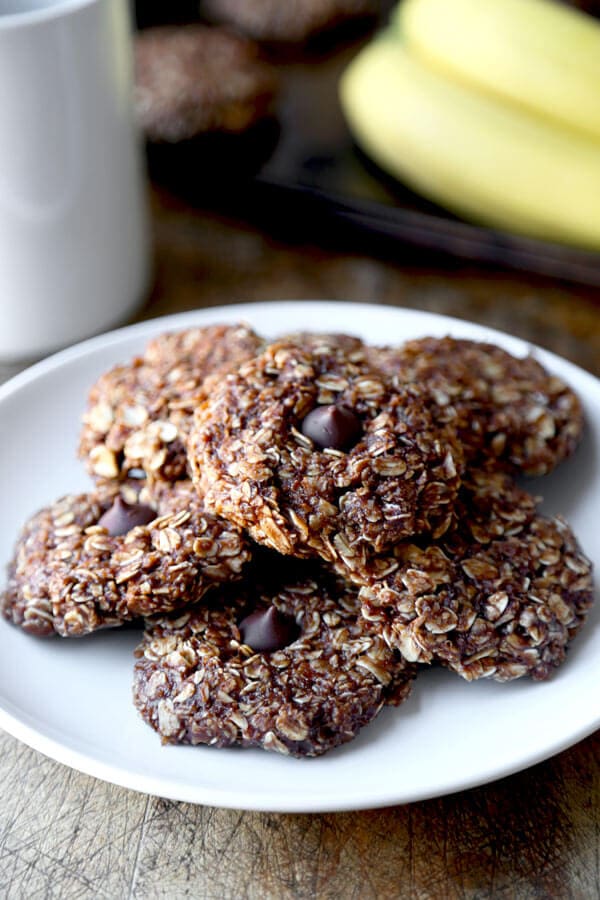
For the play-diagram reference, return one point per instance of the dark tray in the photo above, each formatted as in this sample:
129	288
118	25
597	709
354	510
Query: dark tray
317	174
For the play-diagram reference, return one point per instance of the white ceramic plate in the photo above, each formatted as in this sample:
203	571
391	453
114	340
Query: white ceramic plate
71	699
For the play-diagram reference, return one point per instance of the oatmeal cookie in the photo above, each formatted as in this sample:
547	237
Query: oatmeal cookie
506	409
26	601
293	669
94	561
291	22
309	450
192	81
138	414
499	596
319	342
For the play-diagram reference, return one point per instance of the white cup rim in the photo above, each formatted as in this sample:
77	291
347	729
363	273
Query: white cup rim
45	14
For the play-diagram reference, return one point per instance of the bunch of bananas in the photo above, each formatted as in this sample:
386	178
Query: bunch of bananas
490	108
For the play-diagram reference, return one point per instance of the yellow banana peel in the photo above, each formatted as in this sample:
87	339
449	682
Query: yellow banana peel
538	54
483	159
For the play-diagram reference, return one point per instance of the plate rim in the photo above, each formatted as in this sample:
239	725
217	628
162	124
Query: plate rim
176	321
252	801
166	787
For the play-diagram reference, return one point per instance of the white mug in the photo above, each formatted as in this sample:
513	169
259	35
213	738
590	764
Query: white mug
74	253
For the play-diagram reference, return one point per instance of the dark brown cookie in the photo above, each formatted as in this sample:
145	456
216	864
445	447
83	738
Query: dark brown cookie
26	601
315	676
499	596
138	414
93	561
291	22
507	410
309	450
192	81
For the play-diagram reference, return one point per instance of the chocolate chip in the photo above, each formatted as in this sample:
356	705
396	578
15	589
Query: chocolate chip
268	629
332	426
122	517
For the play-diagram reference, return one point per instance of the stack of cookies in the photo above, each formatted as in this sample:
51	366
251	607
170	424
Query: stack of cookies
301	526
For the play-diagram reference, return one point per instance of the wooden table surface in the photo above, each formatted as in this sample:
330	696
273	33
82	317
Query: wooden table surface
533	835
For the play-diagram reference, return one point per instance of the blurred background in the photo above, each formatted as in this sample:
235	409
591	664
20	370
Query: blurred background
260	190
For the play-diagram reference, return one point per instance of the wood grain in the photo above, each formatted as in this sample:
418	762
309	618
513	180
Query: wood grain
63	834
535	835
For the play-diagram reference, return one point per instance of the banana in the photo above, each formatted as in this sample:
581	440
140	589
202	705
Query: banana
483	159
536	53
